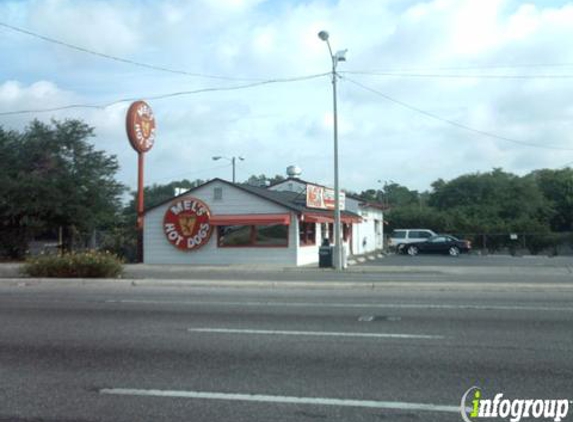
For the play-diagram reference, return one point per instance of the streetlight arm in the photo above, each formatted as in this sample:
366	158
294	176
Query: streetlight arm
219	157
232	160
331	55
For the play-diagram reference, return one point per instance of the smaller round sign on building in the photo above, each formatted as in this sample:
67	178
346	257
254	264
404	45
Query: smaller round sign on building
140	125
187	223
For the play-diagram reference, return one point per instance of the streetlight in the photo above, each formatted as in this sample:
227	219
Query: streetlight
232	160
340	56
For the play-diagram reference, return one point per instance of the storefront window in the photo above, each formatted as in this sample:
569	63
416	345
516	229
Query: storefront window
346	232
324	232
275	235
307	234
235	236
272	235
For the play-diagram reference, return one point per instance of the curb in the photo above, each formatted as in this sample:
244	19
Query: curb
340	285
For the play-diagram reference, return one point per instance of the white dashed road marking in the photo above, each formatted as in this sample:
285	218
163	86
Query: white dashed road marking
312	333
261	398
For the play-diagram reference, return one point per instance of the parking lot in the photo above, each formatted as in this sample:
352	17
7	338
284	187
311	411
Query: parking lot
470	260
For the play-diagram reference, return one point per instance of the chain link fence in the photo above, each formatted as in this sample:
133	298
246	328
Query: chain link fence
517	244
16	244
551	244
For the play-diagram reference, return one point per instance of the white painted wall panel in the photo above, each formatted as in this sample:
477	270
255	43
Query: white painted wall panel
157	250
307	255
365	239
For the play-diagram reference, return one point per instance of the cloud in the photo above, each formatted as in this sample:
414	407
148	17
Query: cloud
277	125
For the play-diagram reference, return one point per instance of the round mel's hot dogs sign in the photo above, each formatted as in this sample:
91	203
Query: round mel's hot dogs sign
186	223
140	125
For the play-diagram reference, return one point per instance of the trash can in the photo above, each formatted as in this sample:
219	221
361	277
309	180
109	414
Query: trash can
325	257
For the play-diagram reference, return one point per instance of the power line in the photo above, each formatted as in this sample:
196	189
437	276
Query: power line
44	110
452	75
454	123
383	72
193	172
168	95
120	59
476	67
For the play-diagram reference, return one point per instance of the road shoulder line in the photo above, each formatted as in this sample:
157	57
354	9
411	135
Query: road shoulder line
262	398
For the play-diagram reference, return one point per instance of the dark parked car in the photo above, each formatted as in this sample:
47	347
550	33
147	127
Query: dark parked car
443	243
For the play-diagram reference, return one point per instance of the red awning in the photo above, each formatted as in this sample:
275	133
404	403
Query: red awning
249	219
310	217
350	219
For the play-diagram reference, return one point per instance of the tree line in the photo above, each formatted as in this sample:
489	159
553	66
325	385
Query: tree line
54	183
488	208
489	202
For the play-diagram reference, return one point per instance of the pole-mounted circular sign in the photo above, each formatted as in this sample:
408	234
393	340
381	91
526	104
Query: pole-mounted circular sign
186	223
140	124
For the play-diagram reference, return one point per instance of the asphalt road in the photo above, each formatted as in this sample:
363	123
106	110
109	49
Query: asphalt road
104	353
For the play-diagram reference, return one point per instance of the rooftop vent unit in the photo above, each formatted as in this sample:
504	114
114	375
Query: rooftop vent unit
293	171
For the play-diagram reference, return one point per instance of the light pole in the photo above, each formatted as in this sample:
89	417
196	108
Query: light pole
340	56
232	160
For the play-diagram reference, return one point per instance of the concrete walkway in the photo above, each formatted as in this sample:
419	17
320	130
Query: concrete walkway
167	272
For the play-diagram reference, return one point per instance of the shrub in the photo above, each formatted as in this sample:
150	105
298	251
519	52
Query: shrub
89	264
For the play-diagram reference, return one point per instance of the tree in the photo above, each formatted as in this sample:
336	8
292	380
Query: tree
491	201
415	217
51	178
156	194
393	195
557	189
396	195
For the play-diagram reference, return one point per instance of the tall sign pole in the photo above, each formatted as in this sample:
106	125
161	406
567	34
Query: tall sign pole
140	125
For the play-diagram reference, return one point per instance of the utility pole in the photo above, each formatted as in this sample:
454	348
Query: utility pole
340	56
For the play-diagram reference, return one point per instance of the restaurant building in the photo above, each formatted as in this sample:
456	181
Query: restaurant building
222	223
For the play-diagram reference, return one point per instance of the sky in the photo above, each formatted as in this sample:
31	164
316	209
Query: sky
430	89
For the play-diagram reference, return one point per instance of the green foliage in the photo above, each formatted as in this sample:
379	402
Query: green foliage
487	207
493	202
121	240
557	189
494	194
50	177
417	217
156	194
75	265
400	196
393	195
547	241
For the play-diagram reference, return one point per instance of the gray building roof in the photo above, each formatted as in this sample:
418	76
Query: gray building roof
290	200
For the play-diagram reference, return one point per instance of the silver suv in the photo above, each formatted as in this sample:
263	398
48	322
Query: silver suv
401	237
